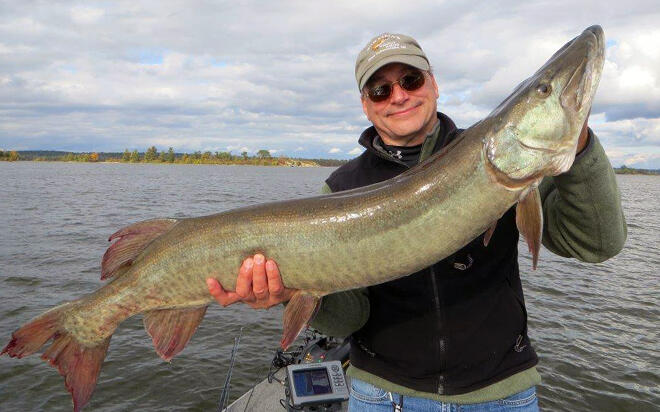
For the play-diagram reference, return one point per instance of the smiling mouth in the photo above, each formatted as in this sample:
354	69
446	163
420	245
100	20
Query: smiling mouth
402	112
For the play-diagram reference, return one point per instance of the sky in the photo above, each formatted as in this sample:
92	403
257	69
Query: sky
279	75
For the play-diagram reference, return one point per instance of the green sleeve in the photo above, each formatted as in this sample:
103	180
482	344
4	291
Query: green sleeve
582	208
342	313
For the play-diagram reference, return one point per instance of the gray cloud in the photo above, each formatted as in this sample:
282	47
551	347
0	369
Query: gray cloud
204	75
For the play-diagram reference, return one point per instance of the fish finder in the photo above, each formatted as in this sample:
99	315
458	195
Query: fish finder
316	386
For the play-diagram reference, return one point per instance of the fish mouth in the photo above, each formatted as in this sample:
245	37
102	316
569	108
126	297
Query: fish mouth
581	87
540	148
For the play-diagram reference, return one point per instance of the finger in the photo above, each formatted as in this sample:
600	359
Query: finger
275	285
218	292
259	280
244	280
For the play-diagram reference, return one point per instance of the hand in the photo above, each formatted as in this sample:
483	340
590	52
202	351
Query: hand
259	285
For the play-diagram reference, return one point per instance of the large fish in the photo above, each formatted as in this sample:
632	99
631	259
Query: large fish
326	243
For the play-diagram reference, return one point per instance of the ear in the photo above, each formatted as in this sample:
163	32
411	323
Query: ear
365	108
435	85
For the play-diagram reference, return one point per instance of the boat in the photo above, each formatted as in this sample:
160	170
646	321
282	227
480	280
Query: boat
272	393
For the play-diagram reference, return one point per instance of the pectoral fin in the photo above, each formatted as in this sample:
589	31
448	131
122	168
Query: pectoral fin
300	309
489	233
529	219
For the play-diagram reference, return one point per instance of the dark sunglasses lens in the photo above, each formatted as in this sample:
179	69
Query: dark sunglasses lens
380	93
409	82
412	82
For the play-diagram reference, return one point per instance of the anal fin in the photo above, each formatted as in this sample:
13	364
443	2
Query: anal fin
131	240
300	309
529	219
171	329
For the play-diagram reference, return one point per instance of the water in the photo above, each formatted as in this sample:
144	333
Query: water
595	327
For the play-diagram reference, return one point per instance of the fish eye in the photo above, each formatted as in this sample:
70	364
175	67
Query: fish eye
543	89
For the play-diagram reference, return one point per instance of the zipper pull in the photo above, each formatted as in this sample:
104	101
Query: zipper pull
517	346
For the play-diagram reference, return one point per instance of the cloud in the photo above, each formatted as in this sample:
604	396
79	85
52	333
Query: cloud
86	15
355	152
127	74
334	150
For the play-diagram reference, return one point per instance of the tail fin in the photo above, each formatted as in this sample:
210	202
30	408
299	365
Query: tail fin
79	365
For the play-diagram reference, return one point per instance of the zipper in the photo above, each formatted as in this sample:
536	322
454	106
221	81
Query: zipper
440	342
519	347
427	139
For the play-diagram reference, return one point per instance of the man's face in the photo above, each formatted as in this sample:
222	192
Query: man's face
406	117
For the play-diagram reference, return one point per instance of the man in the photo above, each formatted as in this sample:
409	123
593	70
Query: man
454	333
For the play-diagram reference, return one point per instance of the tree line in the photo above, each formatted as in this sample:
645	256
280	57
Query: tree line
625	170
10	156
153	155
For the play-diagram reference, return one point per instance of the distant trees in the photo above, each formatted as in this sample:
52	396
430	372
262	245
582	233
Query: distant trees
262	157
151	154
10	156
170	155
625	170
224	156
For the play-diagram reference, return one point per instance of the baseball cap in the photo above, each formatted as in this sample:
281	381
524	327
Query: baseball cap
388	48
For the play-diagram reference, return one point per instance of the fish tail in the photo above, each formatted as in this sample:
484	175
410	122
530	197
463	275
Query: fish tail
77	363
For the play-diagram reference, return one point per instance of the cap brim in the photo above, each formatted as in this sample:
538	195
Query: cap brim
409	59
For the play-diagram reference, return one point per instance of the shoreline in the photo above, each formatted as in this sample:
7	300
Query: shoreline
272	164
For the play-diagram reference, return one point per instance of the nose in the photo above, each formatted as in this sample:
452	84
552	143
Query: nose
399	94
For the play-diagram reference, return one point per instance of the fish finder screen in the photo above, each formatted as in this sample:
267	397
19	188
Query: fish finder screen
311	382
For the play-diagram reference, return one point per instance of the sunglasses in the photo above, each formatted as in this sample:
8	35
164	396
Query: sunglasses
409	82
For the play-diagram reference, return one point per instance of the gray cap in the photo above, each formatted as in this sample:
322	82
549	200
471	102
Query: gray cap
385	49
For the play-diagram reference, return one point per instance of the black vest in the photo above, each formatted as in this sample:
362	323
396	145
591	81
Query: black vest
455	327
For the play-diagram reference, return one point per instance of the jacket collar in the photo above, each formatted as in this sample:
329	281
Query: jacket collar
439	136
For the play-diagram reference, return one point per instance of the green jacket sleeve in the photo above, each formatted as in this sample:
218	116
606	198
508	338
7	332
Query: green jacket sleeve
582	208
342	313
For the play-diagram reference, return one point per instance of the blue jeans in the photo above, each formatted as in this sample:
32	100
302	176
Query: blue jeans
368	398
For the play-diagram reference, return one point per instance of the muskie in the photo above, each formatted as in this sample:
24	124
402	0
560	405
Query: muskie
326	244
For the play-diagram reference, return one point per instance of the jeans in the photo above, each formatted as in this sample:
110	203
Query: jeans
368	398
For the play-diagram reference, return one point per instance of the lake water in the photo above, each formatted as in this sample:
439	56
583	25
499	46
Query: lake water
595	327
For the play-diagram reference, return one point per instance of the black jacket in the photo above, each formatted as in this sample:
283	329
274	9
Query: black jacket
452	328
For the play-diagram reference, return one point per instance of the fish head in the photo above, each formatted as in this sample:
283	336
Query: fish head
535	130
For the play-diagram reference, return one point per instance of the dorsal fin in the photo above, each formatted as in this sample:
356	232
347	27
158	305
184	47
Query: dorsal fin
529	219
171	329
131	240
